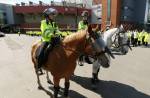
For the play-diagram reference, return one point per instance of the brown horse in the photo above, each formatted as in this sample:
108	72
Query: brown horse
62	59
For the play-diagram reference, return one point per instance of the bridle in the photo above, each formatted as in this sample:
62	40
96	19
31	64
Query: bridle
119	44
87	40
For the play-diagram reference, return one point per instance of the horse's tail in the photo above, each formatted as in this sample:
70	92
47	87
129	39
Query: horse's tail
33	50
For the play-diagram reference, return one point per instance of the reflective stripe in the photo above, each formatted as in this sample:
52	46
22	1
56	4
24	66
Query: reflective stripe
81	26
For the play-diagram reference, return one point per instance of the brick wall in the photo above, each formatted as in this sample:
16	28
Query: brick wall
115	13
95	2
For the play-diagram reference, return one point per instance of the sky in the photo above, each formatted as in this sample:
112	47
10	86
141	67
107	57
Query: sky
26	1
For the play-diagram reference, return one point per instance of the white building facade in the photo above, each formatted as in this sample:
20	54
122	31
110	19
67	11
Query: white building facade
96	14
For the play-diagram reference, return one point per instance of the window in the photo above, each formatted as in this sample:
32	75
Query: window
148	16
108	10
2	17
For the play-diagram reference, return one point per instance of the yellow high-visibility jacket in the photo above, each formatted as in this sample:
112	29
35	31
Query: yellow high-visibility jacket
146	39
82	26
48	30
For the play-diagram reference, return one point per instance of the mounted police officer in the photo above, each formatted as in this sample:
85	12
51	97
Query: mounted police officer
49	30
83	24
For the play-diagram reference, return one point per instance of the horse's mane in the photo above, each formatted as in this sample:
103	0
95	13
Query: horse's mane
111	30
75	36
110	33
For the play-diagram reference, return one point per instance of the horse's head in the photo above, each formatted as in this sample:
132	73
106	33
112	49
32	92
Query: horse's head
97	47
96	40
121	40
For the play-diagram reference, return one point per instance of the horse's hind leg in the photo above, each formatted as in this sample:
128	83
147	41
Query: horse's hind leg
38	78
48	79
67	85
40	72
56	86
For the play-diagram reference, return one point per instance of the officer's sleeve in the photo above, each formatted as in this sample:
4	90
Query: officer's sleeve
42	27
57	29
79	26
58	32
49	35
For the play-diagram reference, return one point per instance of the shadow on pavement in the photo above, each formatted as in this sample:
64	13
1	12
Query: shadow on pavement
72	94
117	53
110	89
47	92
148	46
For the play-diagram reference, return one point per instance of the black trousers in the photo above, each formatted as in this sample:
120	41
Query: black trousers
41	56
135	41
146	43
45	49
139	43
143	41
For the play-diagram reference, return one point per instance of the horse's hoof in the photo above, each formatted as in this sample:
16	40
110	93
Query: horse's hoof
54	96
81	65
66	97
40	87
50	82
97	80
94	87
40	73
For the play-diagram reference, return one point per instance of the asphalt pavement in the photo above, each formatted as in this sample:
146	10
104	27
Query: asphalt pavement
127	77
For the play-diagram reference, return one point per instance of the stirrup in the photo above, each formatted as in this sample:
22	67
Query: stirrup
40	72
80	63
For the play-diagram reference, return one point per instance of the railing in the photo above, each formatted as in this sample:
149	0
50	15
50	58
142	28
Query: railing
36	26
132	25
63	3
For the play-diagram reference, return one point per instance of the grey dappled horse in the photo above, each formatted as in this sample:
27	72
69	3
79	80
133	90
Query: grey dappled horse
115	38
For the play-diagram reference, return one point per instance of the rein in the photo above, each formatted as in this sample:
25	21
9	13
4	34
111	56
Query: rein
78	51
118	44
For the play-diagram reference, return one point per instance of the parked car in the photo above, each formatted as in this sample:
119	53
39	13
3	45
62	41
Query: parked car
2	34
9	28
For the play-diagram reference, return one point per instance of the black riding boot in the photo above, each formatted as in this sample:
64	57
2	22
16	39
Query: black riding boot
46	52
67	84
81	60
97	80
56	90
94	77
41	55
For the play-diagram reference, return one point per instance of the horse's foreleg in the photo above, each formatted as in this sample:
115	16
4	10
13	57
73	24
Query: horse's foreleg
96	67
67	85
48	79
40	72
56	86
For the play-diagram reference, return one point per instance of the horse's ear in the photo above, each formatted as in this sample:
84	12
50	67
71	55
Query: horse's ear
121	28
96	29
89	29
